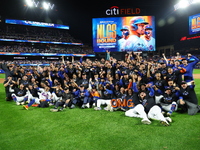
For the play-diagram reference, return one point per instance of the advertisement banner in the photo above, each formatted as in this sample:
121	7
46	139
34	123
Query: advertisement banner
194	24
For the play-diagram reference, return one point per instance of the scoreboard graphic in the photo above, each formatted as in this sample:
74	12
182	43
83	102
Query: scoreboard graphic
108	35
194	24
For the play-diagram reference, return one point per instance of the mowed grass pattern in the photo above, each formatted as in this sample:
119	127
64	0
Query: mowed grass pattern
87	129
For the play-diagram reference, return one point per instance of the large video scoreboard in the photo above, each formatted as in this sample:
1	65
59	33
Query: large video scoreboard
117	34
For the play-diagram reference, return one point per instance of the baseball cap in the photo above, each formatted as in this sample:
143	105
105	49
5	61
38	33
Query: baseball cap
168	88
138	20
148	27
183	82
124	28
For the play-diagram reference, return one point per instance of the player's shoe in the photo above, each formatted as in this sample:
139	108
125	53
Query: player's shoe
146	121
111	109
97	108
164	123
123	109
169	114
35	105
87	105
51	104
163	112
61	109
168	119
25	107
18	103
22	103
73	106
107	108
54	110
83	106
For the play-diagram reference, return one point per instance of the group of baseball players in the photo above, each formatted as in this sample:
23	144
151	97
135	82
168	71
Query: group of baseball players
145	89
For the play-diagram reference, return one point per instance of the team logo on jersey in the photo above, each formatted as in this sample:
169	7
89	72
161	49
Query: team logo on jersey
168	99
20	93
151	47
185	93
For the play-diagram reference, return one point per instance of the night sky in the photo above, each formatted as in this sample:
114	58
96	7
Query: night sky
78	15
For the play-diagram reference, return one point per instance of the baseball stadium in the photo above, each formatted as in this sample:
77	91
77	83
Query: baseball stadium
99	75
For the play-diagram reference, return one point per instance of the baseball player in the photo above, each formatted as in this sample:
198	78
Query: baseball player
146	109
168	101
188	75
44	96
148	39
187	99
20	95
134	42
125	35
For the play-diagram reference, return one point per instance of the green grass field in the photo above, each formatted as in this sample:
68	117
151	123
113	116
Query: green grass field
196	71
78	129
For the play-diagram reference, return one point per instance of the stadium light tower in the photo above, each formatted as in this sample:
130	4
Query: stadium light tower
195	1
29	3
46	5
185	3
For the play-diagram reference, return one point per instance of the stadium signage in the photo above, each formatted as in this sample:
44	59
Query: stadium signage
45	54
189	38
115	10
194	24
118	103
37	24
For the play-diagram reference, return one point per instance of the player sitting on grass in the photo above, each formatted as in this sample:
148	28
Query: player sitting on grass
20	95
168	101
81	97
64	102
43	100
106	96
146	109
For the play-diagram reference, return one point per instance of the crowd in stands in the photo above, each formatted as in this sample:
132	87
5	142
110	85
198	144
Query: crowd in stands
20	32
144	89
62	49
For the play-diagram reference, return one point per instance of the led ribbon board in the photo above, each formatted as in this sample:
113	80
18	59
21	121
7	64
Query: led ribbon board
37	24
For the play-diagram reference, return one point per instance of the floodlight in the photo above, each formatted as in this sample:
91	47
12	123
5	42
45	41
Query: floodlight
195	1
183	3
46	5
29	3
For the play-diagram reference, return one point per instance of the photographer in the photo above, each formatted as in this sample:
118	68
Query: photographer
9	82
